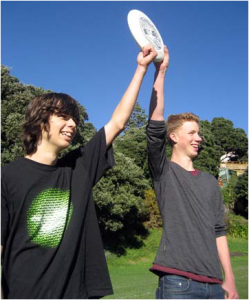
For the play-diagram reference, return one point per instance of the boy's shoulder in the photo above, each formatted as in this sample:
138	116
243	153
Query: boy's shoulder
71	157
208	176
12	168
209	180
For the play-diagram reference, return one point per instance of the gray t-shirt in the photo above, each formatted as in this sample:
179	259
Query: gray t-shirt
191	208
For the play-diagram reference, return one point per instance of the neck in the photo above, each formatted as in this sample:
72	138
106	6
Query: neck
44	156
184	161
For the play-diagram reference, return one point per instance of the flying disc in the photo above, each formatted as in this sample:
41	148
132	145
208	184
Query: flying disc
144	31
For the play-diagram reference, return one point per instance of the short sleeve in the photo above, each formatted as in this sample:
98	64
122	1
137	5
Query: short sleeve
97	157
156	148
5	216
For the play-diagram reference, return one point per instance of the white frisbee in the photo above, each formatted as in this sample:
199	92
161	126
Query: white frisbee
144	31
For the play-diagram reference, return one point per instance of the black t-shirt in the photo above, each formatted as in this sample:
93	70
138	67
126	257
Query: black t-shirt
50	234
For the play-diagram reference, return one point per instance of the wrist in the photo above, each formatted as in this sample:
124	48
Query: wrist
229	278
141	69
160	73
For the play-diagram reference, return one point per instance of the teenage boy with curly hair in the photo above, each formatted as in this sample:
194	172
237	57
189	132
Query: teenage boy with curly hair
51	243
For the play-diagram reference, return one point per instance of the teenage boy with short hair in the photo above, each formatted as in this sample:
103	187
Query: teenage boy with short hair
193	242
51	242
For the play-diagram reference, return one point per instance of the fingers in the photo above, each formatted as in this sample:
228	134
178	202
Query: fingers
166	54
165	49
162	66
146	55
149	50
232	295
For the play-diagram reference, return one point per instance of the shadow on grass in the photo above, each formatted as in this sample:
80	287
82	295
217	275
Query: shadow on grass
130	236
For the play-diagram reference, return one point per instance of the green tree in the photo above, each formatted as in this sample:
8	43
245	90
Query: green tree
138	118
208	159
240	145
241	191
245	158
229	193
155	219
119	198
133	144
229	139
15	98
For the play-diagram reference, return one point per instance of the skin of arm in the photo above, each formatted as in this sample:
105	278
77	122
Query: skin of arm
125	107
1	289
156	111
229	282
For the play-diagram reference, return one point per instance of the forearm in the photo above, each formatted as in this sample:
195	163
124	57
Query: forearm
157	97
123	111
224	256
229	281
125	107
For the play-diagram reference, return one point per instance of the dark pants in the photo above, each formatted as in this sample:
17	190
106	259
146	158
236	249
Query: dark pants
178	287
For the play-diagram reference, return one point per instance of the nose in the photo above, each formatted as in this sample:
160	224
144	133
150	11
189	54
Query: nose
198	138
71	123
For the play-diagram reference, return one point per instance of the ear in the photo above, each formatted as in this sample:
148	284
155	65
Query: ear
173	136
45	127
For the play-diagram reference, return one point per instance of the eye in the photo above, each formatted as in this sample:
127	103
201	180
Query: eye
64	116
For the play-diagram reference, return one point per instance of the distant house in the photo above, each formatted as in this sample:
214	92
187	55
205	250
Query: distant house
228	168
224	176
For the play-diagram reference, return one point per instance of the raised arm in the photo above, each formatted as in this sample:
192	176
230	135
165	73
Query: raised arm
229	282
157	97
1	288
125	107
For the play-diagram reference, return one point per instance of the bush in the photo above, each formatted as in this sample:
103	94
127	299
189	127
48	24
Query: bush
236	226
155	220
241	190
228	192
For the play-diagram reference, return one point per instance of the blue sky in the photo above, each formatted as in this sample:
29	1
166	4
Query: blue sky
85	49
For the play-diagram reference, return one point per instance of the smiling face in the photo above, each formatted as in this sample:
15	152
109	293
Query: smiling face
187	139
62	130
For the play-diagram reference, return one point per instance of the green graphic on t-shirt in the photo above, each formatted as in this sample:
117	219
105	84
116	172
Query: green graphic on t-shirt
49	216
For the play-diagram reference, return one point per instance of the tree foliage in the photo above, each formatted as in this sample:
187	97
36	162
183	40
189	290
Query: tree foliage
15	98
124	197
229	193
230	139
133	144
138	118
241	190
150	201
209	154
119	199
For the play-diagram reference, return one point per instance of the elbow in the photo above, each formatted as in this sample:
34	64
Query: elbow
120	125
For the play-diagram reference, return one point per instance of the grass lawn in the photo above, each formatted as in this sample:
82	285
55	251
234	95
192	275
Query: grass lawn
131	278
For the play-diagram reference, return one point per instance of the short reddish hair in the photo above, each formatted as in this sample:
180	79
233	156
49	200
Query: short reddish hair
176	121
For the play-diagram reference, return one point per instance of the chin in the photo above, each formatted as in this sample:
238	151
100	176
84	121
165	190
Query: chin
193	155
64	146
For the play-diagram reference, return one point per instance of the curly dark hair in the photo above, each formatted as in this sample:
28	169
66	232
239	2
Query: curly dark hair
38	113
